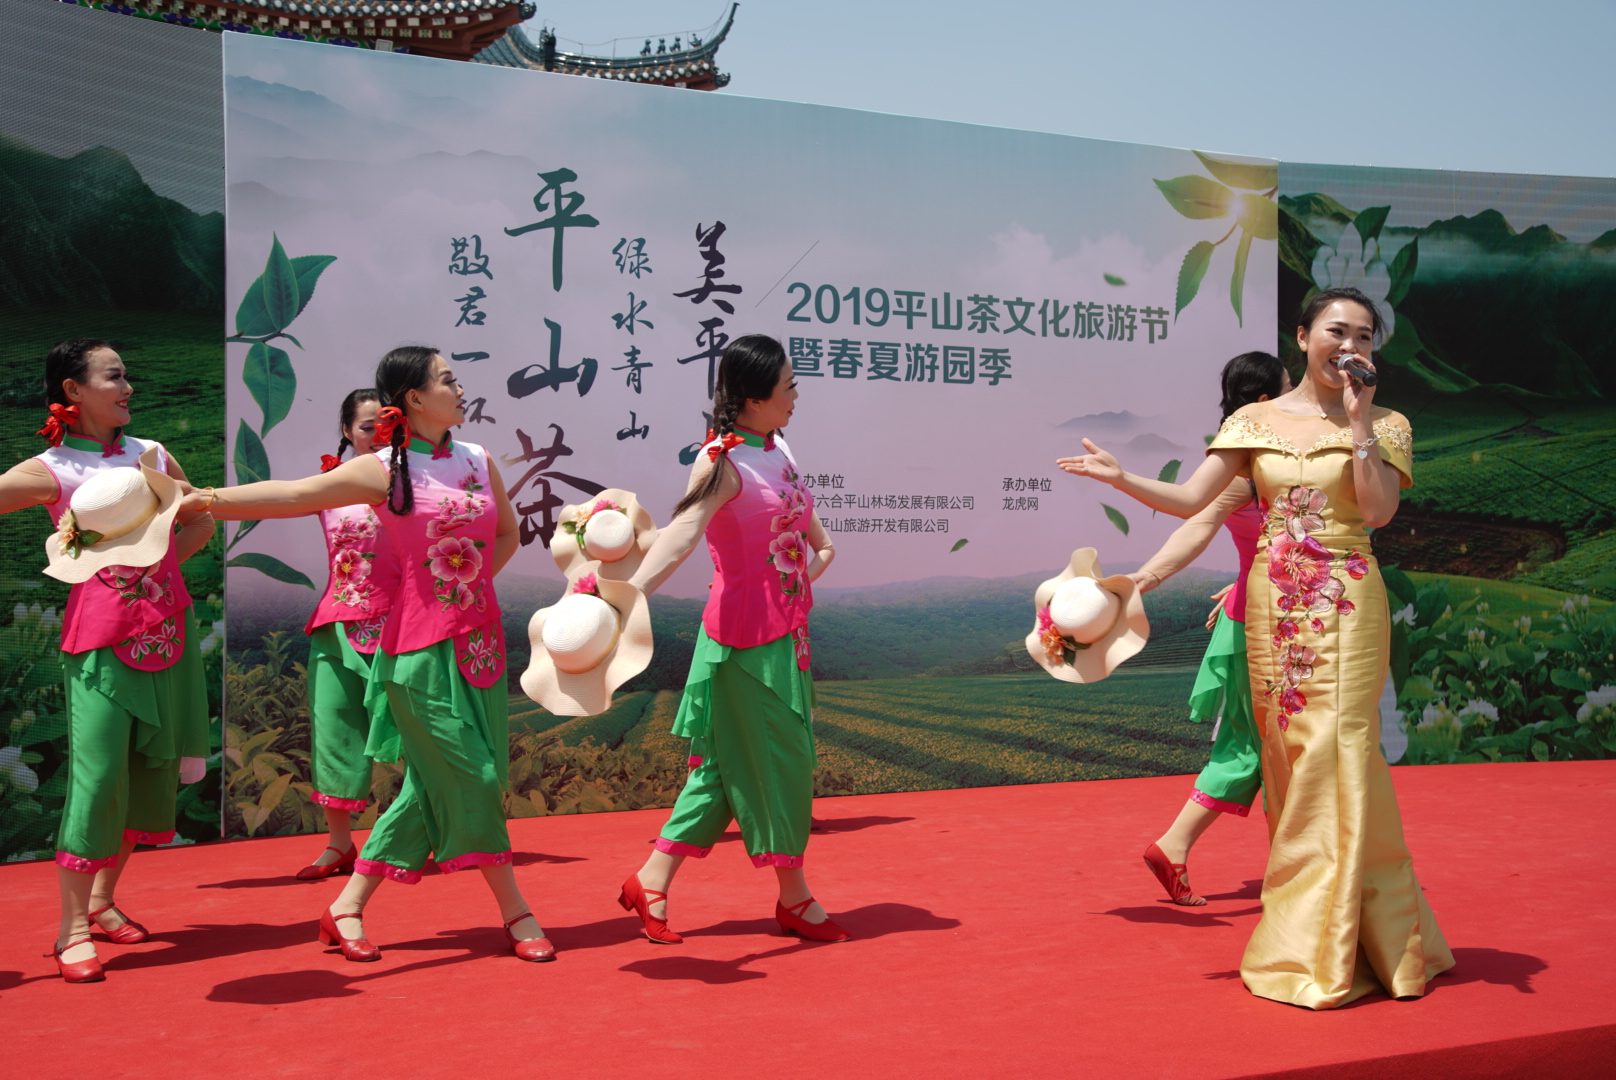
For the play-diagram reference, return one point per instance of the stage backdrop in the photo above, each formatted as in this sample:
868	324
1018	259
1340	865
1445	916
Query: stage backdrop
111	226
962	304
1502	290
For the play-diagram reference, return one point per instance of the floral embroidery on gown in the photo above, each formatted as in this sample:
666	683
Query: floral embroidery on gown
1343	913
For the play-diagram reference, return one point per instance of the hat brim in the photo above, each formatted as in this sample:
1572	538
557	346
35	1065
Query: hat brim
589	693
1127	635
140	547
573	560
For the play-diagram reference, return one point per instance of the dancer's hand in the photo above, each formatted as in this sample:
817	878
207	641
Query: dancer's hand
1097	464
1217	604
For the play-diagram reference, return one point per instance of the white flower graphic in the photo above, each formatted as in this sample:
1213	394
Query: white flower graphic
1358	265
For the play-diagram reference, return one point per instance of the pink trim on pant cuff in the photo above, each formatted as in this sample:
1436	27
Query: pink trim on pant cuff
694	761
674	847
84	866
790	862
140	837
372	868
338	804
475	858
1219	805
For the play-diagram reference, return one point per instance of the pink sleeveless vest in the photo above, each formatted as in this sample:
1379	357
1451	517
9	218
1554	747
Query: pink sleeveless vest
759	544
442	550
1244	525
363	579
138	611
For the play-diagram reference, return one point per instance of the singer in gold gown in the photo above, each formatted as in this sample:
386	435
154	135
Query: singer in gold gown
1343	914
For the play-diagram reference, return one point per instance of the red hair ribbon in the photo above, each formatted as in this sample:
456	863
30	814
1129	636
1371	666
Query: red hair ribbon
724	446
389	420
61	416
329	462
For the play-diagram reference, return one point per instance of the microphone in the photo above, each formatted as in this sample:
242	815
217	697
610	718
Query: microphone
1355	368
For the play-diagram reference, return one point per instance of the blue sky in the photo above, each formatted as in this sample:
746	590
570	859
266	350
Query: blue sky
1481	85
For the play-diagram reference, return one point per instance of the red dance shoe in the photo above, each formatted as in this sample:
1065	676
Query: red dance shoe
537	950
343	865
1174	877
128	932
638	899
357	949
792	922
80	971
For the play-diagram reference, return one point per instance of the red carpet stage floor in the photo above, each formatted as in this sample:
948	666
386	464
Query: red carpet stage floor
1000	931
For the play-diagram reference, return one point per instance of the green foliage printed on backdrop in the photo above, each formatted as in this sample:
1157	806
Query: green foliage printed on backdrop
274	299
1240	191
1503	639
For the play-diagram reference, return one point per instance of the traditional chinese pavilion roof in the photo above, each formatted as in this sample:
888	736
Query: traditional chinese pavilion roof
694	68
451	29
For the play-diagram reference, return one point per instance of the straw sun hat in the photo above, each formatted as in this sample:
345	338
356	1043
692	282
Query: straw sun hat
1087	624
587	644
119	517
611	529
598	635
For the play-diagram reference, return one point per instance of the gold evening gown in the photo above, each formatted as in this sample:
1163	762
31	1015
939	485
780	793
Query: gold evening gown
1342	912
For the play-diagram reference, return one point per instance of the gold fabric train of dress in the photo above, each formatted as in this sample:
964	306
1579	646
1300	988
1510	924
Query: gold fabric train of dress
1343	914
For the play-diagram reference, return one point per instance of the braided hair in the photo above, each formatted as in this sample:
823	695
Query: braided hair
748	371
350	410
406	368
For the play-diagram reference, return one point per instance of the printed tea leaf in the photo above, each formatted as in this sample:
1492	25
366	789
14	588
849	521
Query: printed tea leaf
252	318
957	545
280	287
1241	174
1258	216
270	567
1369	222
1169	472
1196	196
271	381
252	463
1196	260
1112	279
1116	517
241	534
308	269
1237	283
1402	272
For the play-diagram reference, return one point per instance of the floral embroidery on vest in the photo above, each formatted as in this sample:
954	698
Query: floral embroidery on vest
134	585
801	644
363	633
1304	573
481	652
350	566
456	563
788	551
154	648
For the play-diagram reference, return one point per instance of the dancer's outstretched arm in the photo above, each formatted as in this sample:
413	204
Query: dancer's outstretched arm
361	480
679	538
1190	539
196	526
27	483
1181	500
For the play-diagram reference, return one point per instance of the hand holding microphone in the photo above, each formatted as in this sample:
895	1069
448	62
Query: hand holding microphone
1354	368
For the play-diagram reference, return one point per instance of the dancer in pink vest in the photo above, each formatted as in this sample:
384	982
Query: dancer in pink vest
135	701
1222	690
748	703
436	693
343	634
